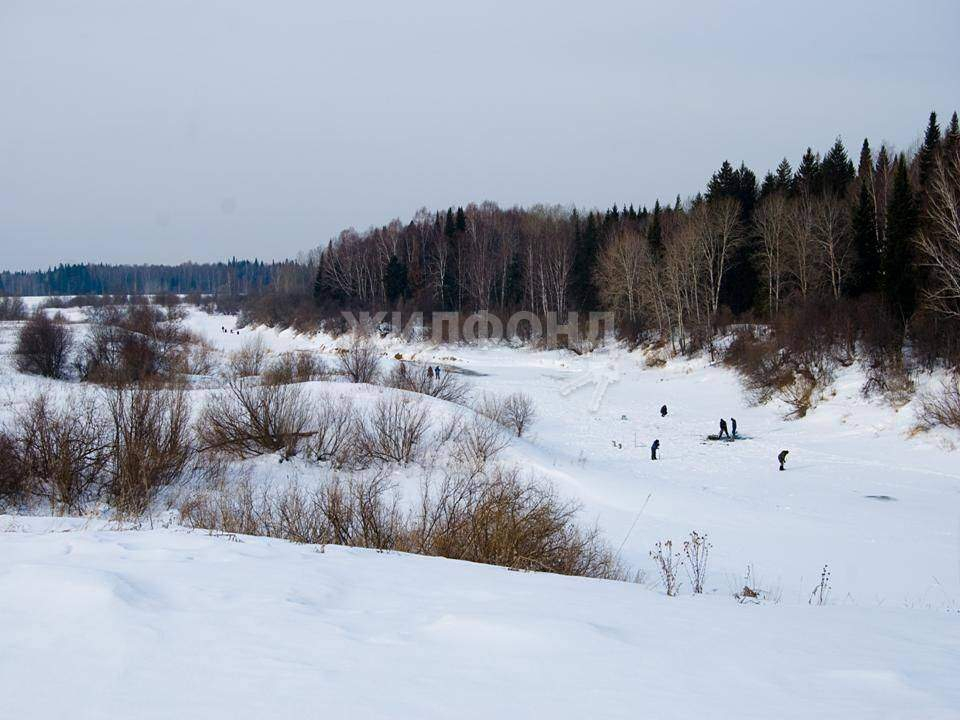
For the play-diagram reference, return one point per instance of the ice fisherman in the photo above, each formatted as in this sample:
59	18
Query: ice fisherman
733	425
663	411
653	449
782	457
723	429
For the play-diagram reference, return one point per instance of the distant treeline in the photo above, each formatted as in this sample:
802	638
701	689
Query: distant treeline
235	277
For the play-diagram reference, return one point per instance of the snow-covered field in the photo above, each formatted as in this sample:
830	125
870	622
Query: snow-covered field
165	622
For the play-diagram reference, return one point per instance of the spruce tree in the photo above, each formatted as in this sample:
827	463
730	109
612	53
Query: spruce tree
395	284
952	140
865	168
461	220
586	247
655	233
928	153
807	179
836	170
449	227
866	272
899	281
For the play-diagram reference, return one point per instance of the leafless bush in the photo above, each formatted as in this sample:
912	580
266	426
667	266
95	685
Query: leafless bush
357	512
43	345
395	429
518	412
151	444
295	367
501	519
479	441
11	473
888	375
696	553
12	308
63	452
360	361
668	564
335	438
200	359
249	360
941	408
248	419
131	344
420	379
490	406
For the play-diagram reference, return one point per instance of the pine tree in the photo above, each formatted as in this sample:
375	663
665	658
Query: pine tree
461	220
865	169
927	156
449	227
899	283
784	175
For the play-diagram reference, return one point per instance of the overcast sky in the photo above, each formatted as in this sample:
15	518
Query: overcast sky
171	130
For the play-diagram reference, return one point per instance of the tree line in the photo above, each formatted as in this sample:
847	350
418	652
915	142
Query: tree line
234	277
881	226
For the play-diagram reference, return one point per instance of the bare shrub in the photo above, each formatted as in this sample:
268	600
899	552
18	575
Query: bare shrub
420	379
131	344
501	519
360	361
394	430
151	444
43	346
200	359
296	367
942	407
335	438
478	442
696	553
248	419
518	412
11	472
668	564
490	406
249	360
64	452
362	512
12	308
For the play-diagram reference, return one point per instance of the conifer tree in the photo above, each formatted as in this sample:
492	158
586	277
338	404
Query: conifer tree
655	233
461	220
866	273
899	282
836	170
449	227
395	283
928	153
952	139
807	179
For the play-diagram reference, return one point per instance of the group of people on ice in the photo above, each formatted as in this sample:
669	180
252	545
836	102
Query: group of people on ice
729	432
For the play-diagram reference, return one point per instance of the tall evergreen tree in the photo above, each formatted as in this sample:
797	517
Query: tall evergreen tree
837	170
928	153
449	227
807	178
585	251
865	168
899	280
395	283
952	140
655	233
866	273
461	220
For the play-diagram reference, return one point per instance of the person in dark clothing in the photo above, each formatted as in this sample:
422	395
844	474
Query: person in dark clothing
663	411
429	372
437	372
733	424
723	429
782	457
653	449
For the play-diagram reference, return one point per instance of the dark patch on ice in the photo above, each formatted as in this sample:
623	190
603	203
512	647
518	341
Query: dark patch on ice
883	498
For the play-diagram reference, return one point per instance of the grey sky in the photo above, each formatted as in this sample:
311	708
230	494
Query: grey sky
169	130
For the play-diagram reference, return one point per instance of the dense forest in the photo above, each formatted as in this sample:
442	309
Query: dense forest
873	238
868	241
235	277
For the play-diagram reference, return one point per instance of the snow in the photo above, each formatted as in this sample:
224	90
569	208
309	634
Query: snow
98	622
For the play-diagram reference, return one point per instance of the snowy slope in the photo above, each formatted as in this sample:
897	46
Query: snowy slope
168	623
